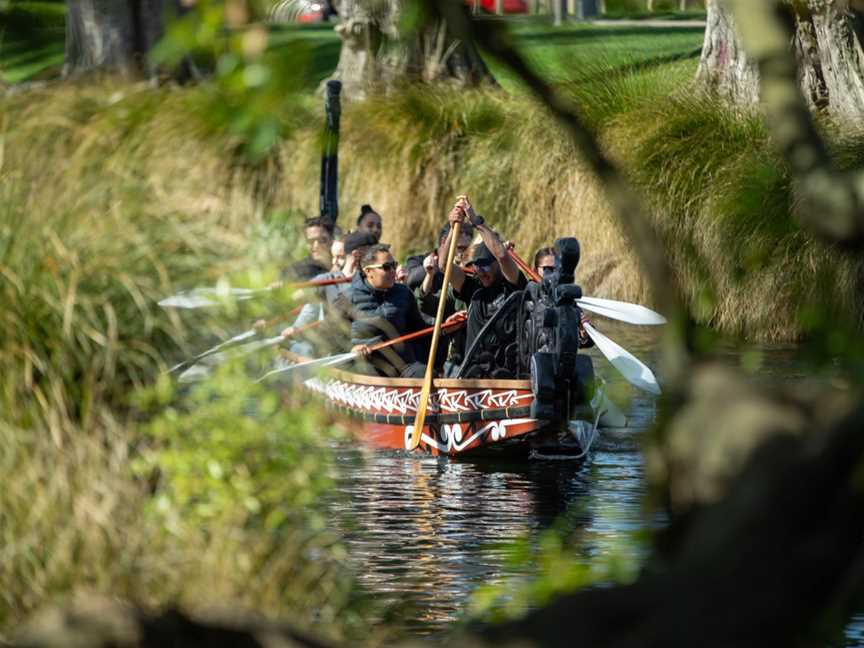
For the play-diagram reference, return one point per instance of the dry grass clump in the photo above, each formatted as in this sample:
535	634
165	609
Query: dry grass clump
112	197
109	200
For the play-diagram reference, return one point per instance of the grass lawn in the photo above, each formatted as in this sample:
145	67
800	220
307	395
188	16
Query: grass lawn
31	45
31	40
561	53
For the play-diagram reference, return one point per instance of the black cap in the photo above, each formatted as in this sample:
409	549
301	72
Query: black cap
358	239
479	252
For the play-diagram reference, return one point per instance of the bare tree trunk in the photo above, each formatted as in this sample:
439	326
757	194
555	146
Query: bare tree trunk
827	44
649	5
111	34
724	66
601	7
682	5
376	57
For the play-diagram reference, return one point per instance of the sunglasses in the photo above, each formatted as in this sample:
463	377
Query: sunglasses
389	266
482	265
547	269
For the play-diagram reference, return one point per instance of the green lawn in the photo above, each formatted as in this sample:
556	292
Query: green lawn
574	51
31	45
31	39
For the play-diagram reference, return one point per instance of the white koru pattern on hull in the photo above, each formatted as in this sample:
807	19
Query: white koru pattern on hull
392	400
450	436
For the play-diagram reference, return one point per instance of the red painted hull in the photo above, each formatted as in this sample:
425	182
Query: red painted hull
466	417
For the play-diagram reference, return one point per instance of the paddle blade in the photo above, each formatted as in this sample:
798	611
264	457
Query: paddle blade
194	374
329	361
634	371
208	297
188	300
622	311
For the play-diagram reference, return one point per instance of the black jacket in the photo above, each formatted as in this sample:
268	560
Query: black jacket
383	314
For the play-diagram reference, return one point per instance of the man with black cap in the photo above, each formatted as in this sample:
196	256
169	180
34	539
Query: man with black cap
496	276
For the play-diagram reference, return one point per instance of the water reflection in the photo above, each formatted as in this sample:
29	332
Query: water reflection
431	531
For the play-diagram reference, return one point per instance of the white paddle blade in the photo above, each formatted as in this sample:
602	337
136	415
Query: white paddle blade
329	361
633	370
622	311
193	374
209	352
187	300
208	297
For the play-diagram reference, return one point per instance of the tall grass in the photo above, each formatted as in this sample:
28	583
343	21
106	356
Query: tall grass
112	197
720	197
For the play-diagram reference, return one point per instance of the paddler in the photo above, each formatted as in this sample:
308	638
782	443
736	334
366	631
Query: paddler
383	309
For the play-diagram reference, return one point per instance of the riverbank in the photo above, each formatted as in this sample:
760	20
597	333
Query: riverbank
720	197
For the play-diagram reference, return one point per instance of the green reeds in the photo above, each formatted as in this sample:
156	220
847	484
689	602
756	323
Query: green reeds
113	196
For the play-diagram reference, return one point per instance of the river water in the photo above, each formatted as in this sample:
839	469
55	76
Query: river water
430	531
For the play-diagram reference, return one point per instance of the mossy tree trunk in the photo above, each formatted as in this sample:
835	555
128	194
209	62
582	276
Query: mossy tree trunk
827	44
375	56
112	34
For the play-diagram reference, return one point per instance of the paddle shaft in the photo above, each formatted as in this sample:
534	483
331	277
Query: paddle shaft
320	283
532	274
436	334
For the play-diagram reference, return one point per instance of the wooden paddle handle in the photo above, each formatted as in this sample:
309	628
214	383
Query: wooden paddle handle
436	334
417	334
532	274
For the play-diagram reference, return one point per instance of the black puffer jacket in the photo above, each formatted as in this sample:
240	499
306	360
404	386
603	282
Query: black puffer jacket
383	314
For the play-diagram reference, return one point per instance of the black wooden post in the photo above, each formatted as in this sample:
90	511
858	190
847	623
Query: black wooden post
330	153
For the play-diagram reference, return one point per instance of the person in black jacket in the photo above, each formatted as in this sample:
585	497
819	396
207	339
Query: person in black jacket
384	309
495	277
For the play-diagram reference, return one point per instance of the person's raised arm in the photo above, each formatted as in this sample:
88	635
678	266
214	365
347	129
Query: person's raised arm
492	241
457	275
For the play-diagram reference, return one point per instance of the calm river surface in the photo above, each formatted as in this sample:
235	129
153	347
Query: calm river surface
430	531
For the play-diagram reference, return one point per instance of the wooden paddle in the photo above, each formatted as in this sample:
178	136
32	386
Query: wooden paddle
436	334
453	322
207	297
634	370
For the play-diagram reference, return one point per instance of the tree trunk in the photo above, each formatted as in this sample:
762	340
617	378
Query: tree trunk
111	34
827	44
724	66
682	5
375	57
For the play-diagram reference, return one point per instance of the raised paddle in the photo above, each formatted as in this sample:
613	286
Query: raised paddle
617	310
453	322
621	311
207	297
234	341
436	334
634	371
199	370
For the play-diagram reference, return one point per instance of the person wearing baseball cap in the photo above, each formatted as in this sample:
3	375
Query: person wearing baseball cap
495	275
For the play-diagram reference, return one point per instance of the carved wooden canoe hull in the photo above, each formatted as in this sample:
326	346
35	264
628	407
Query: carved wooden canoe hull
466	417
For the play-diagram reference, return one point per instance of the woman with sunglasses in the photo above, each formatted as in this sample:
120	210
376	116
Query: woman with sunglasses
384	309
